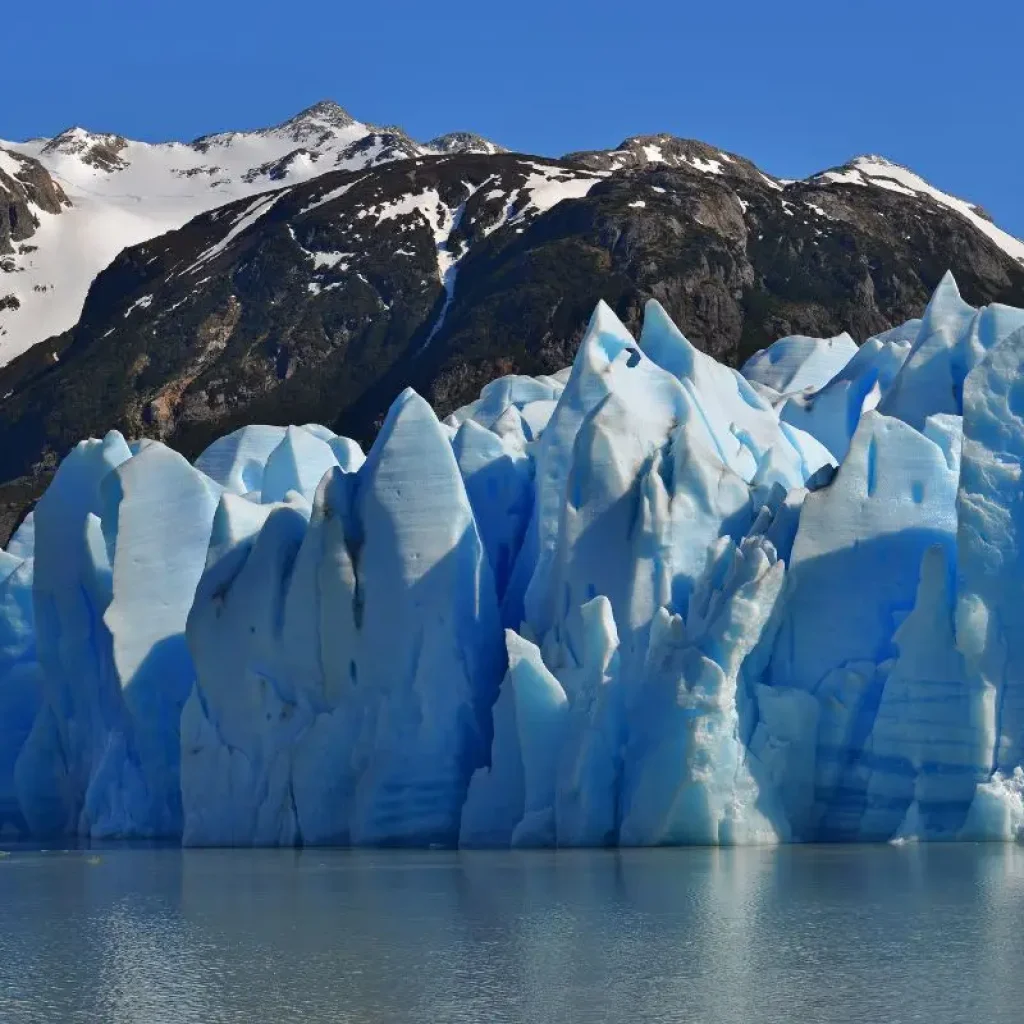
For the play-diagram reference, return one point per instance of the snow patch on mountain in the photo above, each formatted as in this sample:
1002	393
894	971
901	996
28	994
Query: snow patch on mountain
242	223
550	185
10	164
442	220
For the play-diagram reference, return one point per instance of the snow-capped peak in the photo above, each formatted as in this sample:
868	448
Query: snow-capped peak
876	171
463	142
671	151
317	126
326	112
95	150
77	139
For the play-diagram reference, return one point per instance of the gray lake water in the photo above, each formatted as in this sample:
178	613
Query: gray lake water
838	934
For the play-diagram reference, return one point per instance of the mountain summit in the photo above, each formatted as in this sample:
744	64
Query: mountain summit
326	112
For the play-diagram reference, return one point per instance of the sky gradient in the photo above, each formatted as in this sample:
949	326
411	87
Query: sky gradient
794	85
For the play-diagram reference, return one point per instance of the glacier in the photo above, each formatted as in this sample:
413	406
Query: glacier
648	600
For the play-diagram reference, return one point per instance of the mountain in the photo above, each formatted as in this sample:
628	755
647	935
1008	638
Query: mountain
877	172
325	294
101	193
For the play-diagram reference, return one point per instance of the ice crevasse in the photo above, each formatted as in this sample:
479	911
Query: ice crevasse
649	600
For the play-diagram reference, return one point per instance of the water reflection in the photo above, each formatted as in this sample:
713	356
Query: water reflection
719	936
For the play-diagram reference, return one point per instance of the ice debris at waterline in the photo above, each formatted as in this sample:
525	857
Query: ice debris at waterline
633	603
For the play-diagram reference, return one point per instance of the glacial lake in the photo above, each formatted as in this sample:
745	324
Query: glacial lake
883	934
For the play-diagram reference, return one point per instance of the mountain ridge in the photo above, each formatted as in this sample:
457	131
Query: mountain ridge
320	296
121	192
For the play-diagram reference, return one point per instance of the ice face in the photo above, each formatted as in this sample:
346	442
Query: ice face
237	461
368	636
647	600
990	544
831	413
795	364
20	677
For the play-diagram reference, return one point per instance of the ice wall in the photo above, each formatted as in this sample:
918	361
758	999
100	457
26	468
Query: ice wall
648	600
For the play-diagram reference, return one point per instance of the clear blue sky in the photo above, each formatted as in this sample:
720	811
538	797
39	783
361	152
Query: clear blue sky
795	85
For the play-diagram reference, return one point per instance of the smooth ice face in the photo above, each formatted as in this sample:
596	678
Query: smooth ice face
858	550
853	578
237	461
742	426
70	590
799	363
641	601
990	541
608	361
954	337
931	741
102	757
298	464
346	666
498	477
20	681
418	572
832	413
158	515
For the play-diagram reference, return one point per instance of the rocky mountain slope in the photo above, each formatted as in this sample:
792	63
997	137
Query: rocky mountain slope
111	193
319	299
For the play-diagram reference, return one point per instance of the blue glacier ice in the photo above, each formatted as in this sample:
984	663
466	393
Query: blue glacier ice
798	363
647	600
347	658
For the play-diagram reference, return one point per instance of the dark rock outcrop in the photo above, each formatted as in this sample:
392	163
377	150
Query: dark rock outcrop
24	181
